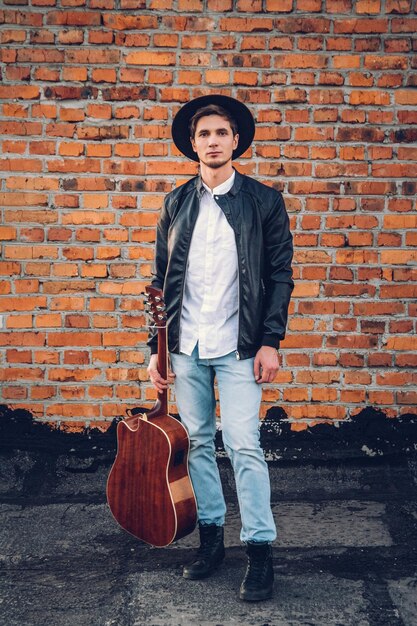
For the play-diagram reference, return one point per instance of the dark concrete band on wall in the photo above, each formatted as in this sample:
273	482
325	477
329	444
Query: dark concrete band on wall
368	434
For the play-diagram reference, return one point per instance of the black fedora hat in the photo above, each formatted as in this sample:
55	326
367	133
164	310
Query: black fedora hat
238	110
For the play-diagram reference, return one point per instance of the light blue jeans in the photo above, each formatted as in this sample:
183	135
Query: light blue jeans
240	398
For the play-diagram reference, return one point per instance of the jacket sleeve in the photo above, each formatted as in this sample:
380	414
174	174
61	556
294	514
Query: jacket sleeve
278	249
160	263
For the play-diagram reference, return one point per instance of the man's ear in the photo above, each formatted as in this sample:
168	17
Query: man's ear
235	141
193	144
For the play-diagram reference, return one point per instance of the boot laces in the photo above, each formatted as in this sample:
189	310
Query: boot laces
208	544
204	551
256	569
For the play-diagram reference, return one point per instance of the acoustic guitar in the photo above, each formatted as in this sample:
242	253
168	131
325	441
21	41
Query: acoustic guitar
149	490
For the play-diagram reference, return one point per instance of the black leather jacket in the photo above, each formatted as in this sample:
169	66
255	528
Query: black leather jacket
264	244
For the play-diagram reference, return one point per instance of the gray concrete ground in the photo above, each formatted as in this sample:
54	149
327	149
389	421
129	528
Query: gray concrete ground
345	555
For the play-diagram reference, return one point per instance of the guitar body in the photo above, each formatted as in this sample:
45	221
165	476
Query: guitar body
149	490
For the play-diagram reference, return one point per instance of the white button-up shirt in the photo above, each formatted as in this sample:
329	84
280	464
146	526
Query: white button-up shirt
210	305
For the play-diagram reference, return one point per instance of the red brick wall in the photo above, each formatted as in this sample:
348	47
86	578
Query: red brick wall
88	94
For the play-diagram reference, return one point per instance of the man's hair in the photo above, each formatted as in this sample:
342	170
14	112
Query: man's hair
212	109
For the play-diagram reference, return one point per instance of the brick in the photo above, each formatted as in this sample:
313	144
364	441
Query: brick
76	357
190	5
310	43
407	397
369	97
257	42
7	232
19	321
303	25
379	360
407	97
405	274
279	6
194	42
16	373
23	338
398	6
346	61
38	55
386	62
220	5
295	394
57	339
151	58
321	410
300	61
395	257
14	393
5	287
290	95
104	75
219	77
13	36
313	134
395	378
361	25
22	304
404	25
353	396
249	6
19	356
380	397
223	42
48	320
406	360
368	6
68	37
231	24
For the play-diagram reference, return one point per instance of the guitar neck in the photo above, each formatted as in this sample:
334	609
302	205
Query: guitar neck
158	311
163	367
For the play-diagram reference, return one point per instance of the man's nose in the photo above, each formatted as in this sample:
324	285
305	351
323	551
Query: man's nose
212	140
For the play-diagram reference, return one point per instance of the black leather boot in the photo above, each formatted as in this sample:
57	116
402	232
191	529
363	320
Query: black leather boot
209	555
259	578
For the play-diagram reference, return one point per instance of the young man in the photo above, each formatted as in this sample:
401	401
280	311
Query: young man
223	259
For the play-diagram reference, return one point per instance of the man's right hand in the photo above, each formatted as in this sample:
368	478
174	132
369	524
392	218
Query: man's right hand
158	382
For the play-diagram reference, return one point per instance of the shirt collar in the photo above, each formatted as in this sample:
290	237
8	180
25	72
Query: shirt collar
223	188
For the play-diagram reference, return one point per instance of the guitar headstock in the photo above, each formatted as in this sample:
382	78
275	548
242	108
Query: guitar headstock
156	305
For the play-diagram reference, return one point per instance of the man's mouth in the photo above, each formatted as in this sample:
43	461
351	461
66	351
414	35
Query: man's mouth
213	153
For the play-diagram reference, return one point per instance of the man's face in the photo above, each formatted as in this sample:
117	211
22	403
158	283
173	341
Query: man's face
214	141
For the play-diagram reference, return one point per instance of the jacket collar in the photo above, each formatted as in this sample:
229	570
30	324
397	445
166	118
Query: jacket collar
233	191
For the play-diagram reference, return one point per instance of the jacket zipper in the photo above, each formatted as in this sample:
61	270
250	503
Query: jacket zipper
231	221
239	296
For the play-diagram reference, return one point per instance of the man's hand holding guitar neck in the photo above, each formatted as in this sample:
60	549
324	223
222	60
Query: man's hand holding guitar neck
158	382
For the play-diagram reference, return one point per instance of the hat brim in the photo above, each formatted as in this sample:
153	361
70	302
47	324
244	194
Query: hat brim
239	111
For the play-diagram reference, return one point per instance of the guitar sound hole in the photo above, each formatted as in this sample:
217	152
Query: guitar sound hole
178	457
